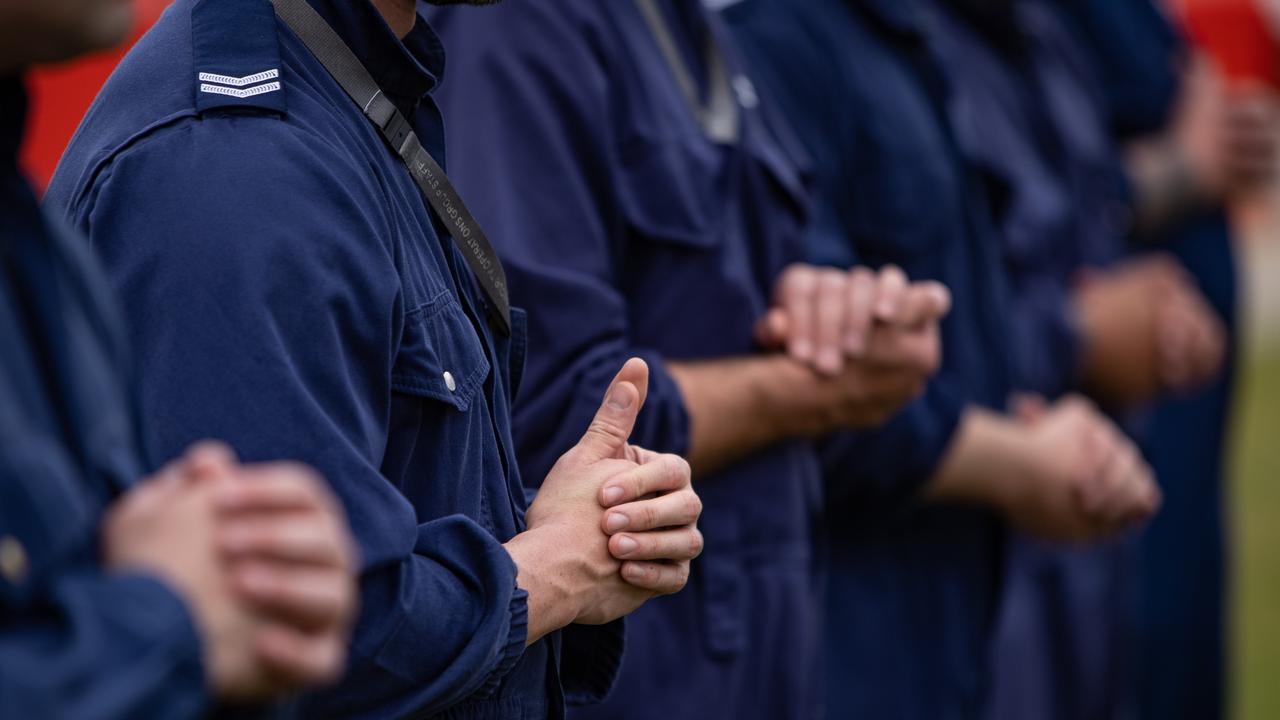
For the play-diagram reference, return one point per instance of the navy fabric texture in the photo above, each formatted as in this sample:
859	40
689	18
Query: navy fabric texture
1031	114
1181	608
291	293
627	232
912	593
75	641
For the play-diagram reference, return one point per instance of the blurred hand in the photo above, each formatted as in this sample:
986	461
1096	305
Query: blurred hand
1227	136
1147	330
169	526
1085	481
824	317
566	551
292	559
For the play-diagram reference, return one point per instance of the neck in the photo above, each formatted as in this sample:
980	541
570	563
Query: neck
399	14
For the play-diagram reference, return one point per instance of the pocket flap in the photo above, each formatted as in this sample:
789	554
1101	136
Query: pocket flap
440	357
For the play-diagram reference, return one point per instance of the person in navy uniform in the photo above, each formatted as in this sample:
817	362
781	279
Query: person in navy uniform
1130	329
275	251
1190	144
125	590
649	202
915	586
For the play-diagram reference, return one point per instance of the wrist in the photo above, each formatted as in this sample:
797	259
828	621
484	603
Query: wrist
555	600
986	463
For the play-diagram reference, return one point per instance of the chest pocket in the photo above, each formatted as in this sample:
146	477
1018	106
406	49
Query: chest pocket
671	190
905	188
440	357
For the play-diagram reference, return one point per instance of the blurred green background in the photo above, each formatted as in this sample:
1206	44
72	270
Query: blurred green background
1256	492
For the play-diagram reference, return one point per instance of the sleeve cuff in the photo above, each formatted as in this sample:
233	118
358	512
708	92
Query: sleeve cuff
882	470
589	662
510	651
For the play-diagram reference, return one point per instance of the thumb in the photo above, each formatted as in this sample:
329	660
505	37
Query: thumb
771	330
208	459
1029	407
608	433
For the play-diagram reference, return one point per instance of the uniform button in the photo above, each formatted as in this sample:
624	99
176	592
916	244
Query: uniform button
449	382
13	560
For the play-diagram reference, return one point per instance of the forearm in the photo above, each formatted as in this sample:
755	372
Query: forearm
551	604
984	463
738	406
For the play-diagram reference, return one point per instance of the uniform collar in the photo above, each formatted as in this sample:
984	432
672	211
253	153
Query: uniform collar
13	119
236	46
407	69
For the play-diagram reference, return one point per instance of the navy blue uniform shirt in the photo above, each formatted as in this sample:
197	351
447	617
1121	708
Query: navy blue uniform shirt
911	594
75	641
627	231
1031	115
1181	610
291	293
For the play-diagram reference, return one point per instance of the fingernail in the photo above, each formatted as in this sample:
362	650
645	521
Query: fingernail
612	495
855	344
803	349
626	546
829	360
619	398
615	522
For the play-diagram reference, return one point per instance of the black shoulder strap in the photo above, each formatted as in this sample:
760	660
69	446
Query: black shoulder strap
355	79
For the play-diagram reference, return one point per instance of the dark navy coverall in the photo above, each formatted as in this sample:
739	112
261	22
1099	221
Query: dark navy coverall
912	592
75	641
1027	109
627	231
289	292
1181	609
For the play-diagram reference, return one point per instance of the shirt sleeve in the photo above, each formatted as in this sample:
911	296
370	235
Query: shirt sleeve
532	149
76	641
886	466
261	285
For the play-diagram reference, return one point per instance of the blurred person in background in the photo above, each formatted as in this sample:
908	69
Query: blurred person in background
649	203
915	585
127	591
1199	135
275	250
1031	114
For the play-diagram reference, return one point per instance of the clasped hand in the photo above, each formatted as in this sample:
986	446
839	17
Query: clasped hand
871	336
263	558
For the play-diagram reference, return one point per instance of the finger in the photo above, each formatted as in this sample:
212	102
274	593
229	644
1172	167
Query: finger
659	578
862	299
683	544
209	459
670	510
663	473
923	303
1030	408
299	659
796	292
609	431
771	330
298	538
829	322
889	290
305	597
275	487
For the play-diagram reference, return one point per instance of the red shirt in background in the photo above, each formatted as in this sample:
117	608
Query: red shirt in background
1237	35
60	95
